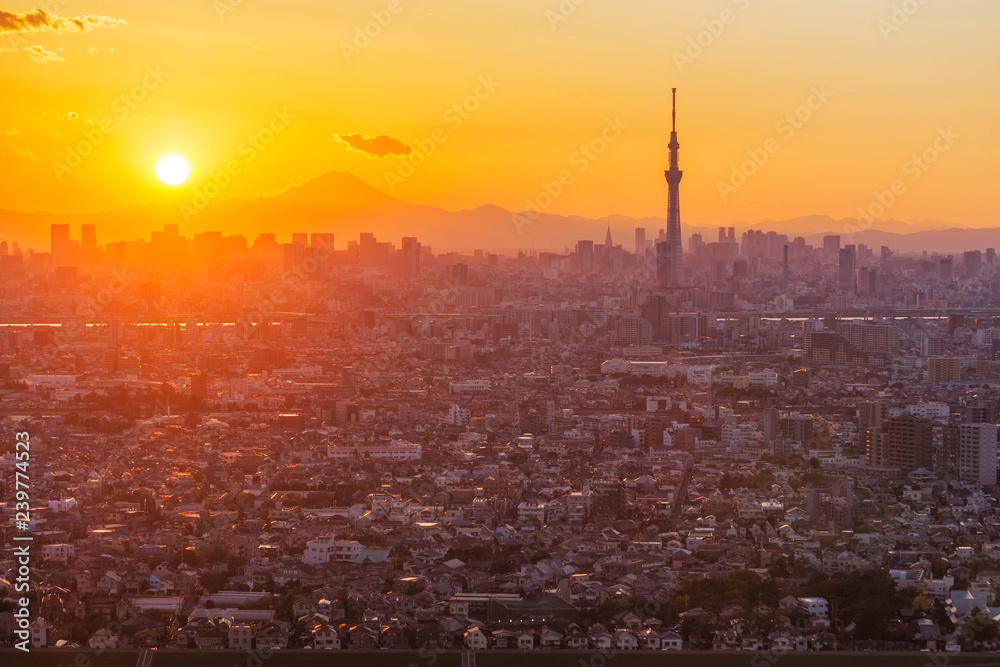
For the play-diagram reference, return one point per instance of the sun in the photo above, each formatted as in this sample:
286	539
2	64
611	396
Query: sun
172	170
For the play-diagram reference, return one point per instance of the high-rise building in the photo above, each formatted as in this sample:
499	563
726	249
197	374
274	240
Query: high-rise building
632	330
88	237
846	274
460	274
906	443
664	264
640	241
945	268
771	425
944	369
977	453
798	428
199	385
673	176
973	261
870	416
367	249
410	255
871	337
932	346
59	246
831	245
585	255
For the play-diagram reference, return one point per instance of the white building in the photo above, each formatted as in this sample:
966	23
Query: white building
395	451
765	378
60	550
241	636
325	549
458	416
930	410
815	606
60	504
470	385
647	368
699	376
977	453
51	381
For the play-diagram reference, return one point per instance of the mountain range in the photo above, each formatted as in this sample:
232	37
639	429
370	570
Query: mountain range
342	203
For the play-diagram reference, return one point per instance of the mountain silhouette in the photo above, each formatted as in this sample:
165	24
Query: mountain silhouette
342	203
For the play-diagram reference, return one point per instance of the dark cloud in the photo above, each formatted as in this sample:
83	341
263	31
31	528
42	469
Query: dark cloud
38	20
379	146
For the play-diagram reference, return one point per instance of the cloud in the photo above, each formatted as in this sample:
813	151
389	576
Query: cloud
13	132
40	55
26	154
379	146
94	50
38	20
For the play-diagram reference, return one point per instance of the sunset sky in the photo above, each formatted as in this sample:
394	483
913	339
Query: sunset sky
293	72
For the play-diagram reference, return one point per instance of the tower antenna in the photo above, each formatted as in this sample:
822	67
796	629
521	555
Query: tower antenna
673	114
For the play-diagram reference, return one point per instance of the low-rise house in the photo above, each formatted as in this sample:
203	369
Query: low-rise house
671	641
362	637
625	640
474	638
599	638
549	638
324	636
104	639
272	635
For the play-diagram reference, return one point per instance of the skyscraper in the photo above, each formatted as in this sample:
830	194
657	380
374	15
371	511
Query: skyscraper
831	245
60	242
585	252
664	264
640	241
88	238
410	257
673	176
846	276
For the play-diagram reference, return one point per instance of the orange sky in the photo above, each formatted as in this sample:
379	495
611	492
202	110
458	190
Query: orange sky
555	80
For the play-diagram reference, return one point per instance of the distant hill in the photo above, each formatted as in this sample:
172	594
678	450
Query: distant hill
344	204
